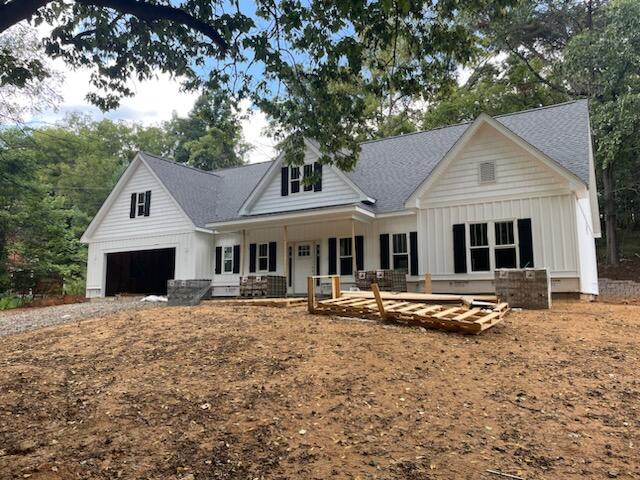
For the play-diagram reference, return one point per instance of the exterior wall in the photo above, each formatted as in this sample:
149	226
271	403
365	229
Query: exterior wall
335	191
186	252
164	216
518	173
586	247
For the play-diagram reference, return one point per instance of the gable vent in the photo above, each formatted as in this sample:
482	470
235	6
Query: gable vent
487	172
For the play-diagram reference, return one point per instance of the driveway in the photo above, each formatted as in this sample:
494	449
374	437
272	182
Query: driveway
23	319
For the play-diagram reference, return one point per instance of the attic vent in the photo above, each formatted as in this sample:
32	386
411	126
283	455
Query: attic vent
487	172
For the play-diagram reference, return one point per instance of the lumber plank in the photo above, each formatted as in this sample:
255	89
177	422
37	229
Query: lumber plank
468	313
446	312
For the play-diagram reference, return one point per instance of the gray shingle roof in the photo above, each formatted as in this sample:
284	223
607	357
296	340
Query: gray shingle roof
388	170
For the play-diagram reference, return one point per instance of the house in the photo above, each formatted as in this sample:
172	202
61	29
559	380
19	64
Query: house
457	202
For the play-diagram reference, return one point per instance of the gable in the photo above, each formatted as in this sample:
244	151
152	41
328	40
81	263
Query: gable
337	189
164	215
518	172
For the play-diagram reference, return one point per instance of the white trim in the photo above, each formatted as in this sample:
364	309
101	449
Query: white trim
245	209
413	201
117	190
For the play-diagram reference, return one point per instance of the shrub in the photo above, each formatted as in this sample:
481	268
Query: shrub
7	303
75	287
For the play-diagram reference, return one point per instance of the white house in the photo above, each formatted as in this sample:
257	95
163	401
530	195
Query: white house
458	202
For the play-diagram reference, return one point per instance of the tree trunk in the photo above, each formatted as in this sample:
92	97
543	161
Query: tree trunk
613	255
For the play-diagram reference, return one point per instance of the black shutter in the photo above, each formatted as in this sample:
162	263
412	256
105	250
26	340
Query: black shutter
384	251
252	257
218	260
132	211
526	243
333	256
272	256
284	185
317	170
359	252
413	253
147	202
236	259
459	249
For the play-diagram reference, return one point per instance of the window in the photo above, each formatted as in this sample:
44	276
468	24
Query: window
487	172
308	173
400	252
263	257
140	204
304	250
505	247
479	246
227	259
346	257
295	179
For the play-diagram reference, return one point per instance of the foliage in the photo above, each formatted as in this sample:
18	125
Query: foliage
292	59
75	286
8	303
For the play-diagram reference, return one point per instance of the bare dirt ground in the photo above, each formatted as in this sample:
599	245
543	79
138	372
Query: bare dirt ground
219	392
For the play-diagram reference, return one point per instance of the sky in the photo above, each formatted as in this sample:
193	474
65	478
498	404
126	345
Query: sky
153	102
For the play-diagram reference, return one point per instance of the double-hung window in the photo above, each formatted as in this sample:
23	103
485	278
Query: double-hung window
295	179
308	173
400	252
141	201
505	245
227	259
479	247
346	257
263	257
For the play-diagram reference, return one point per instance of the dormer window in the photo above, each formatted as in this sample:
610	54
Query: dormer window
140	204
292	179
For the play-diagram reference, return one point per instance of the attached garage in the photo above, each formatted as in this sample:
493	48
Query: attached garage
140	271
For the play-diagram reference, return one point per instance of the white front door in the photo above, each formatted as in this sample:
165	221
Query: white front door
303	265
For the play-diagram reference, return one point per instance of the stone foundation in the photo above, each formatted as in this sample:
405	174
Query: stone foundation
187	292
524	288
618	288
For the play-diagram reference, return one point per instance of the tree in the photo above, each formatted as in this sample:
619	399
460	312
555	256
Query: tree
288	57
210	137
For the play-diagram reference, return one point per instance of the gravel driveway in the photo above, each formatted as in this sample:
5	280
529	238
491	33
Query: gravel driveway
14	321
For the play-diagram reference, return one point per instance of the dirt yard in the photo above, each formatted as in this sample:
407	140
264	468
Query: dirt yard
217	392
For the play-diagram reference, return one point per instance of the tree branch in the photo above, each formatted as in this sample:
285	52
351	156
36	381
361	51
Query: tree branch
18	10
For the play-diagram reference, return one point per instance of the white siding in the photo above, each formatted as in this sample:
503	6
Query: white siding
518	173
335	191
586	247
164	215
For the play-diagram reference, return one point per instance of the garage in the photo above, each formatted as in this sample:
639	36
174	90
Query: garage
140	271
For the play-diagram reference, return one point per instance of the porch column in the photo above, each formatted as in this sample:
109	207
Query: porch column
353	246
285	256
243	250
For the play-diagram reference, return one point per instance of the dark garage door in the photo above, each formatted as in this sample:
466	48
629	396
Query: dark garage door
142	271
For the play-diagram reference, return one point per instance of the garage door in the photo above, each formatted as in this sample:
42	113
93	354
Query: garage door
140	272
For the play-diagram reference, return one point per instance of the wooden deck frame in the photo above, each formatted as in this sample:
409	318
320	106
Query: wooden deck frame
422	310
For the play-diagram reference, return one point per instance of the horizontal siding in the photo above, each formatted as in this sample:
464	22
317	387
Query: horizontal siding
517	172
335	191
553	222
164	215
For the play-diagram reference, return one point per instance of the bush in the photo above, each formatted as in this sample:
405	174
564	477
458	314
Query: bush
7	303
75	287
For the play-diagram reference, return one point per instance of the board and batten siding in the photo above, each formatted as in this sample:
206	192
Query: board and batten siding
164	215
335	191
517	173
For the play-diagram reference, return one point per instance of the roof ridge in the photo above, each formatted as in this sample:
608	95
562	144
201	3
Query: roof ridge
471	121
242	166
173	162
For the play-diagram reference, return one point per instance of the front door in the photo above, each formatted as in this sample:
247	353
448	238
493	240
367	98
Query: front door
303	266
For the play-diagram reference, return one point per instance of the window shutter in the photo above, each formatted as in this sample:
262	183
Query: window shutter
132	210
333	256
384	251
359	252
284	185
525	243
459	249
252	257
272	256
147	202
218	260
236	259
317	170
413	253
